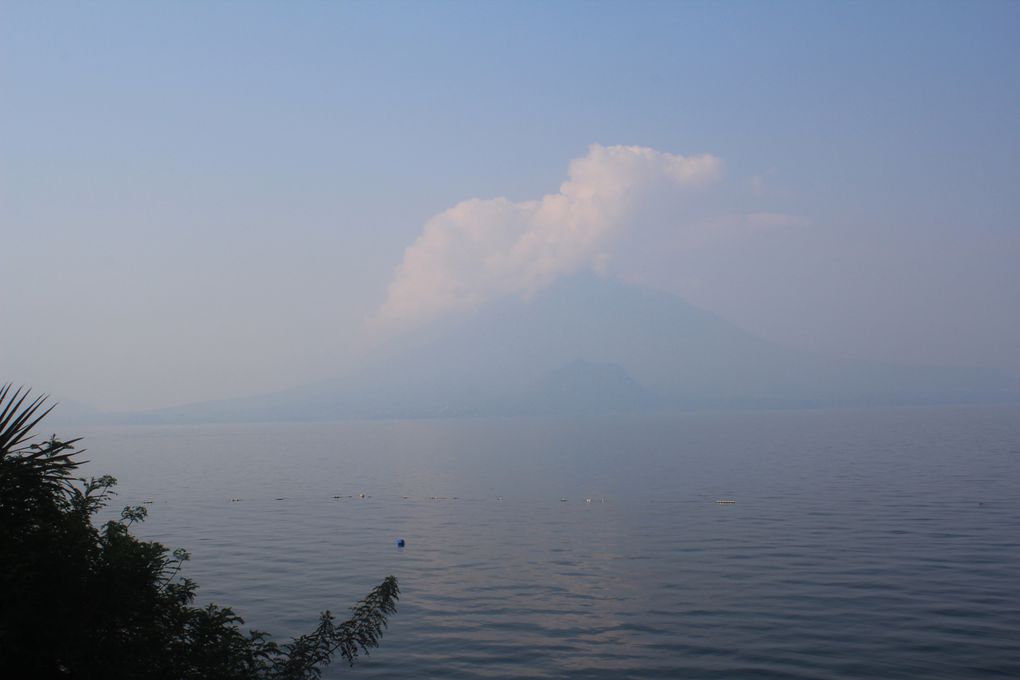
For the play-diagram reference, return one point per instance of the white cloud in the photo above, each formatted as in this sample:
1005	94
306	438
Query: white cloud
481	249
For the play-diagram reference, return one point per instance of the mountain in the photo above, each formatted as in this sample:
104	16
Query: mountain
593	345
586	387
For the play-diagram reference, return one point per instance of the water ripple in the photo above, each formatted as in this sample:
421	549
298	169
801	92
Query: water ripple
872	544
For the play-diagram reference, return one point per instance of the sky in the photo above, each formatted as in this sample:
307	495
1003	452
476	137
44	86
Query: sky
207	200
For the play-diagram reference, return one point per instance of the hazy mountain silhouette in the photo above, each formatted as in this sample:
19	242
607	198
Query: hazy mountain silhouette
594	345
585	387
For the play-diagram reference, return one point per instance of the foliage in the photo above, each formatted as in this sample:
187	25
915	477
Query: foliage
80	601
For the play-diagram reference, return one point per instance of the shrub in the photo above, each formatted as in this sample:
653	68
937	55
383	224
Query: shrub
81	601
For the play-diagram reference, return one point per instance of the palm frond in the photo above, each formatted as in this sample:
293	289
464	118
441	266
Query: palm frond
52	461
16	420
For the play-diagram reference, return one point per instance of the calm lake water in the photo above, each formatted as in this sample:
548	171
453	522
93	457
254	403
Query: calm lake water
862	544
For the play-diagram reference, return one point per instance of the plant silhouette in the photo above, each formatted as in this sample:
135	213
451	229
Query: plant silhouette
81	601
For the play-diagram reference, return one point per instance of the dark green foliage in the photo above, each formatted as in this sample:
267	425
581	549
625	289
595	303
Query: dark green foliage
80	601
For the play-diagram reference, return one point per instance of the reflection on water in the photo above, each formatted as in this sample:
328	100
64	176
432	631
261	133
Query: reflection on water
861	544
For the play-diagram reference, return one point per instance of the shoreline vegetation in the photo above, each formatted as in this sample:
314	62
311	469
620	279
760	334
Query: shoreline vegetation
85	601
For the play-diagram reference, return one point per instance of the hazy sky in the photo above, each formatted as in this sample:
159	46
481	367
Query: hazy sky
201	200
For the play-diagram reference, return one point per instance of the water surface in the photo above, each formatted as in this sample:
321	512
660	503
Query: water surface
862	544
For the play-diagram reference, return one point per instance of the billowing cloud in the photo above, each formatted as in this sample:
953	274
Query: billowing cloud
481	249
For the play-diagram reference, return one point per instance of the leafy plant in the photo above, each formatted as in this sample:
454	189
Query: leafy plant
81	601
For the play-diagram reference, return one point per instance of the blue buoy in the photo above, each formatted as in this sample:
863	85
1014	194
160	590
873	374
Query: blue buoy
400	543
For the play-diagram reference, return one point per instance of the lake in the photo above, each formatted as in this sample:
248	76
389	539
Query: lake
861	544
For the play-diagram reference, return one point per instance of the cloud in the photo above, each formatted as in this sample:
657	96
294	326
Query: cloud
481	249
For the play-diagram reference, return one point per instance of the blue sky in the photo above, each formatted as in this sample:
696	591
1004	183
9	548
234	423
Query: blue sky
207	199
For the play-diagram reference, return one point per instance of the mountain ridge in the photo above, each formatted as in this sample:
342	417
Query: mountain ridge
589	344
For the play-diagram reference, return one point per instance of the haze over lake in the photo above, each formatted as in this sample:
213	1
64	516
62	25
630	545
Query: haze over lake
531	286
872	543
207	202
